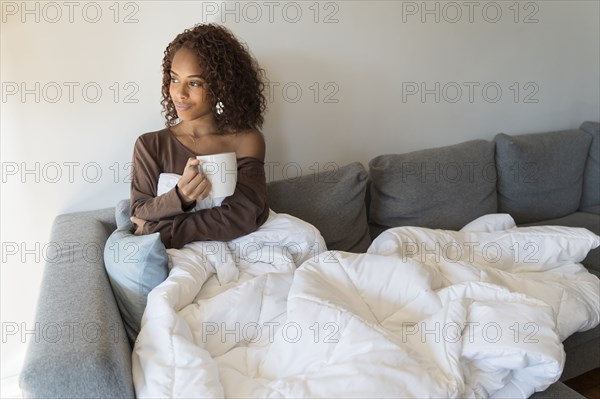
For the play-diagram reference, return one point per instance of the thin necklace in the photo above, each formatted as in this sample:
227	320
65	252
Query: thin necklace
194	143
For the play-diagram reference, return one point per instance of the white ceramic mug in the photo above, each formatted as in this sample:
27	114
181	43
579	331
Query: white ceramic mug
221	171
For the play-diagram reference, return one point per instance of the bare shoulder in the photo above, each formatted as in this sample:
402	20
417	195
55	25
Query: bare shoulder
250	143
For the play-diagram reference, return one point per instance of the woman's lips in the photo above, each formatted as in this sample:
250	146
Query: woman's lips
181	106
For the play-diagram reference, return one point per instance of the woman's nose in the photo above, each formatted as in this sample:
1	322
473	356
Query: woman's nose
180	91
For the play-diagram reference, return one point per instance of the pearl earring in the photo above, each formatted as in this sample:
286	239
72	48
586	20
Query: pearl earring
219	107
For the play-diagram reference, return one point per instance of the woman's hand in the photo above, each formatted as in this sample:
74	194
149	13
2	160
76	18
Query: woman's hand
139	225
193	185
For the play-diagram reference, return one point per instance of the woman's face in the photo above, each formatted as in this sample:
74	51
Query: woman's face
189	92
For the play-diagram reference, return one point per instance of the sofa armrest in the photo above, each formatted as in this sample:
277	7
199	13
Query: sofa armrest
80	347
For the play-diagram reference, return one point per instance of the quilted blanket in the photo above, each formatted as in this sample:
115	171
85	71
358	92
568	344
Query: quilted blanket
424	313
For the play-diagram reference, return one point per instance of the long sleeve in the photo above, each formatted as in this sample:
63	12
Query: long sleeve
145	204
240	214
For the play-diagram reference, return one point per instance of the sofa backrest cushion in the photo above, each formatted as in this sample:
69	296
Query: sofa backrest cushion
333	201
442	188
540	176
590	197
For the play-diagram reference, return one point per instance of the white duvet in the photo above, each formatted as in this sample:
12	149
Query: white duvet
425	313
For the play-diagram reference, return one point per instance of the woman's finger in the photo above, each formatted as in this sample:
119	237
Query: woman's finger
139	225
190	170
203	190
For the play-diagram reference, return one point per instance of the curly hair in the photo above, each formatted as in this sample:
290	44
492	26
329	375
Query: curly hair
233	77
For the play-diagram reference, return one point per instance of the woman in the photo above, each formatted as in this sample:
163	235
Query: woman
212	96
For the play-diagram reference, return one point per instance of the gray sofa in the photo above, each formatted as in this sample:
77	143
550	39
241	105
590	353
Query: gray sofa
546	178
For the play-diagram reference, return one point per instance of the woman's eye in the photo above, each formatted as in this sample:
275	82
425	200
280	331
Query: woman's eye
173	80
196	84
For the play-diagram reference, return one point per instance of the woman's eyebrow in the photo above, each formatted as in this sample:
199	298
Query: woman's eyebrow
190	76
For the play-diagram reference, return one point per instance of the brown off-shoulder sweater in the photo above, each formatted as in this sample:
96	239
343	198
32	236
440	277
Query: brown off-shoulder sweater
239	214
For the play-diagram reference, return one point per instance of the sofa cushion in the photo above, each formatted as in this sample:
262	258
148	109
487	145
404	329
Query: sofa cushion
589	221
442	188
334	202
135	265
582	338
540	176
592	209
590	197
558	390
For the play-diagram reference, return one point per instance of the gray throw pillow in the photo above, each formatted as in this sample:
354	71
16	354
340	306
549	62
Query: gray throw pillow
590	197
334	202
123	212
135	265
540	176
443	188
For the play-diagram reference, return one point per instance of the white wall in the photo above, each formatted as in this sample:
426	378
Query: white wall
363	56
